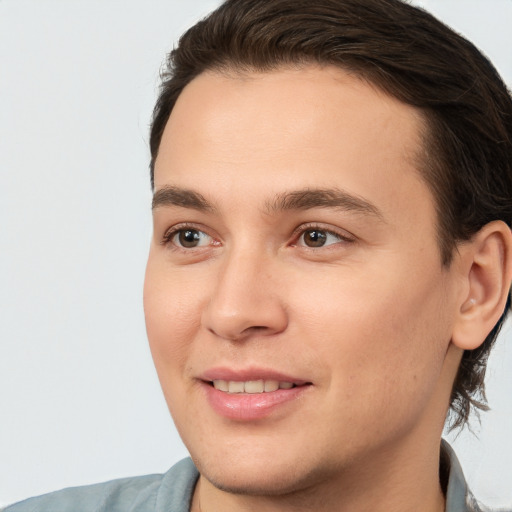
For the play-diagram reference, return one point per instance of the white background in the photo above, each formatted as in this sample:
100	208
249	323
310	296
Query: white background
79	399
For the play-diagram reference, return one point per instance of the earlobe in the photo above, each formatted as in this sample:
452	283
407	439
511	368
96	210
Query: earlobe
487	260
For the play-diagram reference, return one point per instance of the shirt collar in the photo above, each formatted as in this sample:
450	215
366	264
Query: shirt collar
458	495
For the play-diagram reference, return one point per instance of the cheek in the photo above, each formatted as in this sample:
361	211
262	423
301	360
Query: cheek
380	336
171	311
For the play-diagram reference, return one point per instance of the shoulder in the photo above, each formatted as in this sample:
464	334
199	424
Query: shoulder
114	495
137	494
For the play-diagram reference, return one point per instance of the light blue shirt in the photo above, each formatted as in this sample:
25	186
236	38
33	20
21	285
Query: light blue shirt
170	492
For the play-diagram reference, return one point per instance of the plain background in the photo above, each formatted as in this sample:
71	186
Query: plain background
79	398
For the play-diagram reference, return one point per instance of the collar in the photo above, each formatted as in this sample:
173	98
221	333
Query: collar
458	495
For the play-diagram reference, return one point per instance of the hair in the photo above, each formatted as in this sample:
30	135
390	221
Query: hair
466	158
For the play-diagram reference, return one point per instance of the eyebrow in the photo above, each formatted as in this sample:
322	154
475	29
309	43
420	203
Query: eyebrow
304	199
323	198
182	197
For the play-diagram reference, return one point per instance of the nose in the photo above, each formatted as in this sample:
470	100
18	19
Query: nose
245	299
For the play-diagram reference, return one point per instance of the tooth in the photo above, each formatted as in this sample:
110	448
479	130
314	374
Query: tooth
221	385
271	385
250	386
235	387
254	386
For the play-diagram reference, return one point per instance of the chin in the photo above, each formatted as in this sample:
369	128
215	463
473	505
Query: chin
253	478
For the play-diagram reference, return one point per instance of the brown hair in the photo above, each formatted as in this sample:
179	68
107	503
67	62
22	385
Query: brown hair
467	152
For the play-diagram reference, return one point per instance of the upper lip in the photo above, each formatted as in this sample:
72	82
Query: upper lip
249	374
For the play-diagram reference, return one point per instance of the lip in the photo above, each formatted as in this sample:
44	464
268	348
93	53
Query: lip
254	406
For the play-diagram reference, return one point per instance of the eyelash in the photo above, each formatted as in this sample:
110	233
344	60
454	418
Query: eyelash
167	239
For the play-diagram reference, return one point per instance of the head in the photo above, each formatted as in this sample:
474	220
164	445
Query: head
332	209
465	157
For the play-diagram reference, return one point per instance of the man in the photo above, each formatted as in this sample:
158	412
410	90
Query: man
331	259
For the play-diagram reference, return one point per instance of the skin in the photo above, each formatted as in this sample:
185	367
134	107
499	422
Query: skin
367	318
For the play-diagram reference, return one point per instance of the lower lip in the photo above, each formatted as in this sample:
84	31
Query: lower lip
248	406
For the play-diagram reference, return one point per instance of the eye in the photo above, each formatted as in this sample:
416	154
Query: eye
316	238
188	238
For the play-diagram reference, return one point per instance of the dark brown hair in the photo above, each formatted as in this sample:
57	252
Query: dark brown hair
467	153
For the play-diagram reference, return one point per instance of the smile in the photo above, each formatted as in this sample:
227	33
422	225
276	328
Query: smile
251	386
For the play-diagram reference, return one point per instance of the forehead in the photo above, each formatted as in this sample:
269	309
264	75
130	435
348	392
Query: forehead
319	126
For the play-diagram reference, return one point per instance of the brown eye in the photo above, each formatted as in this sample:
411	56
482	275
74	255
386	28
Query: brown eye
314	238
190	238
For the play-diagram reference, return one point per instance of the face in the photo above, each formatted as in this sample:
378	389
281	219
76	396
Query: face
296	306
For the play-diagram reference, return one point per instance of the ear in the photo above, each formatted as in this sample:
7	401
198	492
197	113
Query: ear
487	271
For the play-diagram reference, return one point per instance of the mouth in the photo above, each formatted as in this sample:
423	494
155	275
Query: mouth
242	397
